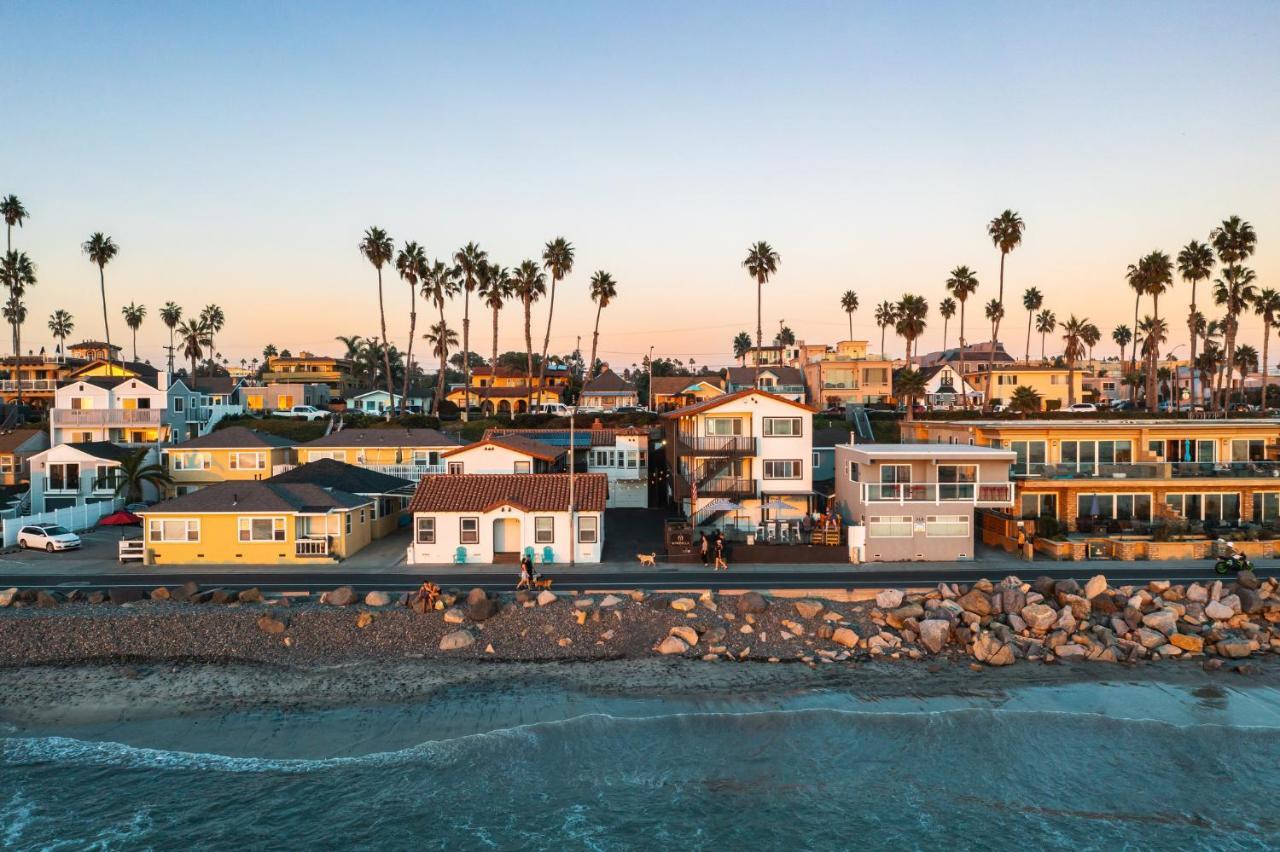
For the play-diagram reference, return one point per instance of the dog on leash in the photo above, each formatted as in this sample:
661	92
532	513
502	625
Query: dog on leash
542	583
648	559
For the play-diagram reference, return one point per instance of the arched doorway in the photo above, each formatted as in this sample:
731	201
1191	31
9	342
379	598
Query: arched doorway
506	539
520	406
504	408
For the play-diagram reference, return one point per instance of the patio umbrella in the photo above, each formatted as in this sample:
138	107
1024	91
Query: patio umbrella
1093	507
720	505
776	505
120	519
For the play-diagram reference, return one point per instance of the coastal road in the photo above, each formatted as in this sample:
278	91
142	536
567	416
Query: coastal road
915	575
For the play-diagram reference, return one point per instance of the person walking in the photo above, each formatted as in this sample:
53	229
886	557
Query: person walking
721	565
526	575
705	546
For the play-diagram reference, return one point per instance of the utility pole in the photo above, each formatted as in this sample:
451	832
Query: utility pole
651	378
573	527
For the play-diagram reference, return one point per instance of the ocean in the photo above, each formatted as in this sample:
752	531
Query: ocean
545	766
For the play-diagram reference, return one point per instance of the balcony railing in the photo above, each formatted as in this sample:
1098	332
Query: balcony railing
986	493
35	385
727	486
107	416
1150	470
308	547
716	444
412	472
841	385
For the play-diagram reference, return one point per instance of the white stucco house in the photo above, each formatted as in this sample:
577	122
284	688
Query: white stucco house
504	454
620	454
80	474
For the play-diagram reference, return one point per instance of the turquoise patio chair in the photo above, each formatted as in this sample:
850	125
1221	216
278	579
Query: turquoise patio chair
548	555
460	556
528	551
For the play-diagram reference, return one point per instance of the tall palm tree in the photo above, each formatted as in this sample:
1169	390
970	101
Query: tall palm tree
18	274
14	214
1122	335
171	315
1136	275
470	260
961	284
849	304
61	324
909	384
1235	241
911	312
946	310
377	248
1158	277
1073	336
1046	322
1005	231
195	340
557	258
603	291
761	263
494	289
886	315
994	311
741	346
442	339
529	283
1153	332
134	472
440	283
213	319
1267	305
1195	263
101	250
1032	300
1246	362
1235	291
411	263
133	316
1091	337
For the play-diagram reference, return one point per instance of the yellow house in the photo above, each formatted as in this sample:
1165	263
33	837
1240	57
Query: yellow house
506	391
306	368
389	494
235	453
672	392
257	523
1129	473
396	451
1051	383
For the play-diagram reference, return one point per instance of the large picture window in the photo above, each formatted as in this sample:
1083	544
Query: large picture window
782	469
190	461
261	529
173	529
782	427
956	481
1119	507
1266	506
63	476
889	527
1086	456
946	526
723	426
1037	505
1218	508
247	461
1030	457
1248	450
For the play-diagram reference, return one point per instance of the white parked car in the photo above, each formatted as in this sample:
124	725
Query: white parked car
302	412
49	537
1082	406
557	408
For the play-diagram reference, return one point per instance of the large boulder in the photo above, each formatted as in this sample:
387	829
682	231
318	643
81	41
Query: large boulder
812	609
844	636
160	593
889	599
990	650
610	601
456	640
1247	580
1044	585
684	604
1066	587
714	635
377	599
270	625
1218	611
1039	616
673	645
1187	642
1097	585
898	617
253	595
7	596
482	610
454	615
1080	607
546	597
1234	648
1197	593
1012	599
934	633
685	632
476	595
45	600
1149	638
125	594
341	596
1250	600
975	601
1164	620
1104	604
189	591
752	602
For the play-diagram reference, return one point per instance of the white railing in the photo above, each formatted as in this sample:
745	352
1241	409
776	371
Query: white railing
311	547
107	416
74	518
986	493
413	472
277	469
29	384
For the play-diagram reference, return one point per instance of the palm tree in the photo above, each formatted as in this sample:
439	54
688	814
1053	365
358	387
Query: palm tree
603	291
213	319
1073	336
1267	306
61	324
411	262
14	214
1153	332
18	273
101	250
195	338
268	352
133	315
377	248
1032	300
557	257
886	315
1195	263
1024	400
962	284
909	384
470	260
1091	337
911	312
1046	322
171	315
529	283
849	304
1005	231
442	339
1246	362
1159	277
1236	292
495	289
134	472
946	310
1136	276
741	346
995	312
1235	242
440	283
1122	336
761	262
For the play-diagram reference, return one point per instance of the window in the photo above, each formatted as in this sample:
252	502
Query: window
723	426
587	529
179	404
893	481
1218	508
363	516
261	529
173	530
469	530
1036	505
81	402
782	469
346	522
1031	457
1247	450
106	477
600	458
63	476
1085	456
875	376
946	526
455	467
6	464
956	481
817	459
1266	506
1120	507
247	461
426	530
190	461
889	527
782	427
1006	379
544	530
1156	448
336	455
254	402
522	467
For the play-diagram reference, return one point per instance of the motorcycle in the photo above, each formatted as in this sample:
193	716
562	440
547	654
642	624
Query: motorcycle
1233	563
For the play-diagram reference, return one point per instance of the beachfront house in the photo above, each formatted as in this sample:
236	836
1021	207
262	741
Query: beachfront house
388	495
80	474
234	453
482	518
844	373
622	455
505	454
407	453
914	502
336	374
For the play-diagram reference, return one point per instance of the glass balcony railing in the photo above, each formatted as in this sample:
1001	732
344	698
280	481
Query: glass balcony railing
1149	470
997	493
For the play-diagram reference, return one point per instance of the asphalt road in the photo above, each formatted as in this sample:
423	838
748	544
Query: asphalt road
1117	573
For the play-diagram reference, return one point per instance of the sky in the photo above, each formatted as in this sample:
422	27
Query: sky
236	152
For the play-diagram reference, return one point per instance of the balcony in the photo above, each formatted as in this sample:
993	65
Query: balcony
29	385
307	548
66	417
715	445
841	386
973	493
413	472
1149	470
727	486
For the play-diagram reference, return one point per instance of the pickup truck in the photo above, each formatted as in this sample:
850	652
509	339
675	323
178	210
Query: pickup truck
301	412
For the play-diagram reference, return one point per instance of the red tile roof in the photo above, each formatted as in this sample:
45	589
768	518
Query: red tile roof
717	401
516	444
533	492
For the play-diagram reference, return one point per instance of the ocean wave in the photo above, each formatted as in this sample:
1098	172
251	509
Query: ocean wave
589	727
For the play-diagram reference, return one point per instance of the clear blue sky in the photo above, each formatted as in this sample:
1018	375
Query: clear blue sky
236	151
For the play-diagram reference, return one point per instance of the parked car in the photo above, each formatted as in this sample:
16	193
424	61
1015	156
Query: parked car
559	409
1122	405
302	412
47	537
1083	407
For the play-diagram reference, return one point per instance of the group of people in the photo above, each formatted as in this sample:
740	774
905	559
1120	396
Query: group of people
713	546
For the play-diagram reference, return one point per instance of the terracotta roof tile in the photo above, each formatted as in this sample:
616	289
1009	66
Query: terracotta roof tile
391	437
515	443
716	402
535	492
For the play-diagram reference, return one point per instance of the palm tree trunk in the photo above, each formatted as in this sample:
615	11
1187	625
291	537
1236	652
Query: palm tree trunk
1153	401
1266	372
964	390
945	322
444	354
106	325
528	351
995	329
759	332
882	328
1042	336
408	355
17	358
170	353
1071	382
546	338
595	338
850	313
466	349
386	348
135	345
1191	325
1027	356
1133	355
493	365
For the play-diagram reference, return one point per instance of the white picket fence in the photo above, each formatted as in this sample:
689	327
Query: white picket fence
74	518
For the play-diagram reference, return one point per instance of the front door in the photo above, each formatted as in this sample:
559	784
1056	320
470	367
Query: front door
506	536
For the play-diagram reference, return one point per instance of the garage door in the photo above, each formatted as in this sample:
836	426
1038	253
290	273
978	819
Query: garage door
629	494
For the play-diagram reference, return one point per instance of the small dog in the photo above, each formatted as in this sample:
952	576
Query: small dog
648	559
542	583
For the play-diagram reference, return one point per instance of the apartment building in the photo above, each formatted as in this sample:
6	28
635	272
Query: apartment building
336	374
843	373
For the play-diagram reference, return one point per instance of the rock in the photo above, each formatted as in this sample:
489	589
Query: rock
1043	585
1212	665
453	615
44	600
1218	611
546	597
844	636
1234	648
810	609
898	617
565	642
1012	599
637	595
824	631
488	649
1039	616
160	593
364	619
1097	585
1066	621
684	604
610	601
1197	593
1231	600
476	595
1080	607
1104	604
1186	642
1164	620
976	602
7	596
1070	651
673	645
752	602
990	650
584	603
1149	638
1016	622
746	628
253	595
1250	601
221	596
377	599
270	625
123	595
934	633
483	610
1065	587
888	599
1247	580
688	634
456	640
189	590
341	596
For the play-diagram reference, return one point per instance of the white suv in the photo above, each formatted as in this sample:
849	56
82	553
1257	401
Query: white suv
48	537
